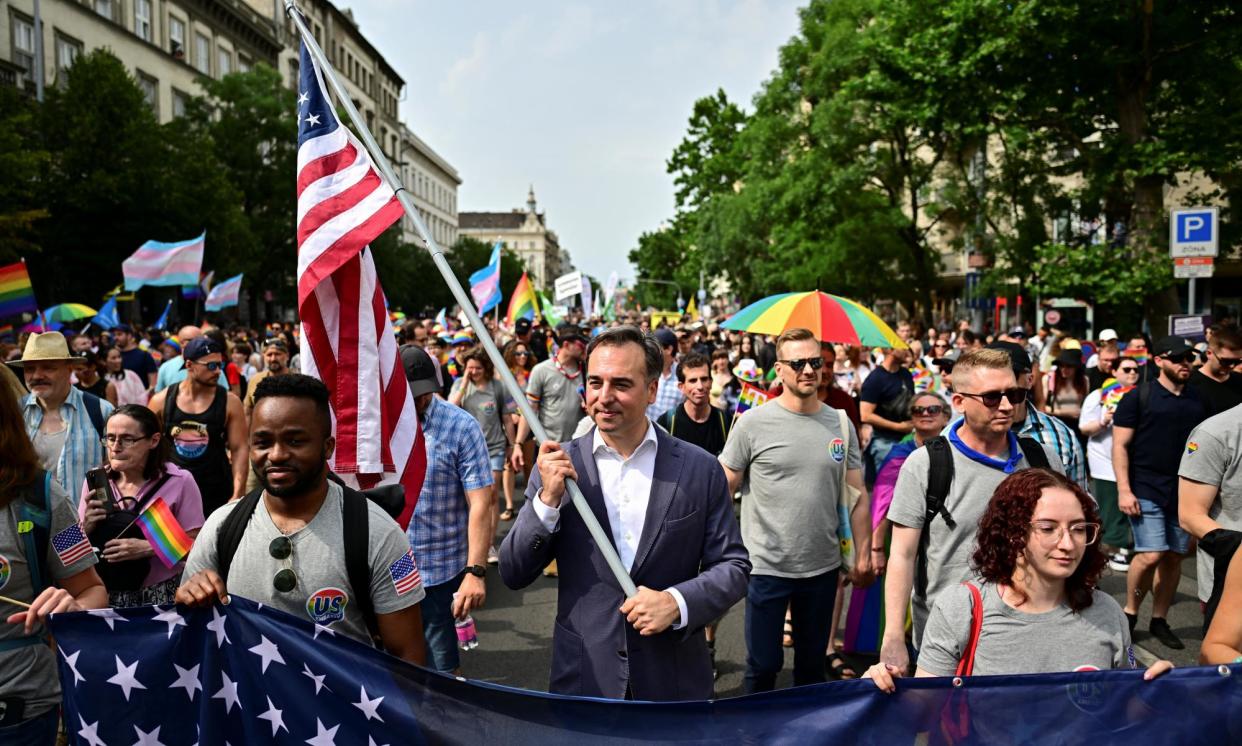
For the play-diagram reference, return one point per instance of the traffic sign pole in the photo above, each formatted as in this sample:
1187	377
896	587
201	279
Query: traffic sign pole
1194	241
1190	300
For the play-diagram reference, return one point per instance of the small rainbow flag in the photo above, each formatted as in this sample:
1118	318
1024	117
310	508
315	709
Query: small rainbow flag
16	293
1111	392
523	303
749	398
169	541
924	379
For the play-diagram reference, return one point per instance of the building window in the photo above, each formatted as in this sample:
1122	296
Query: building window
150	90
23	43
176	37
224	62
180	100
243	64
142	19
202	53
67	50
106	8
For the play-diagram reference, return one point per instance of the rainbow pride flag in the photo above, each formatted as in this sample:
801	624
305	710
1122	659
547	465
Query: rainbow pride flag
1111	392
523	303
169	541
749	398
16	294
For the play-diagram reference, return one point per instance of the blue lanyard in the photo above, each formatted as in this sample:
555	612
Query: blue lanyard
1008	466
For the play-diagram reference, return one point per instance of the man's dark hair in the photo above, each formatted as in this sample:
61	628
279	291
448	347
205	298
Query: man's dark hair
653	354
693	360
1226	336
298	386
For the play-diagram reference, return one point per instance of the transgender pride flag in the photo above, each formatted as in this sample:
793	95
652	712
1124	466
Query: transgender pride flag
165	264
224	294
485	283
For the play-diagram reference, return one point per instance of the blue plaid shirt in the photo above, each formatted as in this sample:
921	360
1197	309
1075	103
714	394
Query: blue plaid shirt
1058	436
456	461
83	450
667	395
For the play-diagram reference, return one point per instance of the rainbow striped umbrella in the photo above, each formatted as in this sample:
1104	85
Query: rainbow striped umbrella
66	312
830	317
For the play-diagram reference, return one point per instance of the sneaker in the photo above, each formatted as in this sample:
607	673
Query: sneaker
1161	630
1119	562
493	557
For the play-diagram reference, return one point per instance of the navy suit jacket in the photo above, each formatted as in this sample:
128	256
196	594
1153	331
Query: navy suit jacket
690	541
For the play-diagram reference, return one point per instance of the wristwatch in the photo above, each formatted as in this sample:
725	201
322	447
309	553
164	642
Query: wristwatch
479	571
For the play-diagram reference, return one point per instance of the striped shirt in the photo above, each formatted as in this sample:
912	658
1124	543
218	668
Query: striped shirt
83	450
1058	436
667	395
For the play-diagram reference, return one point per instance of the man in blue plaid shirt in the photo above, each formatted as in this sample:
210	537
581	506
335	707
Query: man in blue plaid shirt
450	532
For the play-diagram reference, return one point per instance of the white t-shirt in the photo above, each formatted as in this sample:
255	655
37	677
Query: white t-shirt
1100	445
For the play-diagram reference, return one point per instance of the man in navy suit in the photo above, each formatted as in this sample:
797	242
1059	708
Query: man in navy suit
666	507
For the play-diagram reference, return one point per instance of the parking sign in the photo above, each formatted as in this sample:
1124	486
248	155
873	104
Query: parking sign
1194	232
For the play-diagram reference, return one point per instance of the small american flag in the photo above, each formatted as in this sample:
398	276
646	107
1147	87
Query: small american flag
404	572
71	545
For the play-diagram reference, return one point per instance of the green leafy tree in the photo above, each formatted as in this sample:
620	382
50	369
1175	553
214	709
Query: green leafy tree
22	159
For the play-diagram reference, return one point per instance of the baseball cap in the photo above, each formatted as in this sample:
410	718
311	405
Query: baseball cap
945	364
666	337
420	370
521	326
1108	335
1018	331
201	347
276	342
1172	346
570	333
123	328
1021	361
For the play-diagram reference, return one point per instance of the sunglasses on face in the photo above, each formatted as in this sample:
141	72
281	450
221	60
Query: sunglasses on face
1181	359
213	367
932	410
797	365
1128	369
1228	362
992	399
281	548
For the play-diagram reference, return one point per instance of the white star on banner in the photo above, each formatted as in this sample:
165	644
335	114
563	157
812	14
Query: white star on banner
187	678
170	617
72	662
325	736
369	707
90	732
303	98
228	693
320	628
267	650
313	120
274	717
217	625
371	741
148	739
317	679
126	677
109	615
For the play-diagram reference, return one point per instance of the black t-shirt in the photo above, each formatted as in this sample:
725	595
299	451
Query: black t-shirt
139	361
1217	396
1096	378
891	394
1161	426
709	435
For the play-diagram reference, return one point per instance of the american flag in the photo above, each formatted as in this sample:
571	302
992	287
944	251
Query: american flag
404	572
71	545
343	204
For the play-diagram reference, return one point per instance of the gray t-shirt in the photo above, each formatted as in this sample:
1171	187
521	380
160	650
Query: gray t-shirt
1016	642
948	550
323	593
792	464
559	398
29	672
1213	455
488	404
48	446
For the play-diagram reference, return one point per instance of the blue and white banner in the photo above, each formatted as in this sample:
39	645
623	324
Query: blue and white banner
248	674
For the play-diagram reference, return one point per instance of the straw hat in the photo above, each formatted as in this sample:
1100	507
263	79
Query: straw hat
46	347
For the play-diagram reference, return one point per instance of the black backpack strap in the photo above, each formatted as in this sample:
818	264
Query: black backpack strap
1033	450
939	480
35	528
170	404
357	537
94	410
229	535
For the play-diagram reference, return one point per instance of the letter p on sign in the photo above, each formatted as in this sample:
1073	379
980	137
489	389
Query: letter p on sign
1194	232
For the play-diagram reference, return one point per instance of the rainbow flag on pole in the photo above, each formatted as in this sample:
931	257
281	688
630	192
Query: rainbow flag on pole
16	294
523	303
169	541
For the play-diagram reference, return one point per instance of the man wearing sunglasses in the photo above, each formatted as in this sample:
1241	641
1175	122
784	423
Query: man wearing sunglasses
1150	430
1218	386
206	425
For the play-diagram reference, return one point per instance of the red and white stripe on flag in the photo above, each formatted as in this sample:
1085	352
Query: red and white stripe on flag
344	204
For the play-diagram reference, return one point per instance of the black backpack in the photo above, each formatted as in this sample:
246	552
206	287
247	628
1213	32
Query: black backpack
356	530
940	480
121	523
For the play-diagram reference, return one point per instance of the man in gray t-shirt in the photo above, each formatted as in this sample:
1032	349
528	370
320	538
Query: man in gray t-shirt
1210	497
555	391
292	553
789	457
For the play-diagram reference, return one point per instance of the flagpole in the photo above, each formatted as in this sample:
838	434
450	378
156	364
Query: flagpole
602	541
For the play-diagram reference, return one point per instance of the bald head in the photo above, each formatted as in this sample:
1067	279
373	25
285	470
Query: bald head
186	333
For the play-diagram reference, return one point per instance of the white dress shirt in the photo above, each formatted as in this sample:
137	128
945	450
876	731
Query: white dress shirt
626	486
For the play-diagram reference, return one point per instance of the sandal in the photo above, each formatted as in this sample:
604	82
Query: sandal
506	514
838	668
787	640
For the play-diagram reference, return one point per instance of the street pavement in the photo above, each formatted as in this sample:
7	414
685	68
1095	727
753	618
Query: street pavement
515	634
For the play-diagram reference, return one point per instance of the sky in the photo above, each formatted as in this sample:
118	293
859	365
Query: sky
586	101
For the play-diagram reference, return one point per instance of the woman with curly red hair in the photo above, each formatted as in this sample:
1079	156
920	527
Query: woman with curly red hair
1037	562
